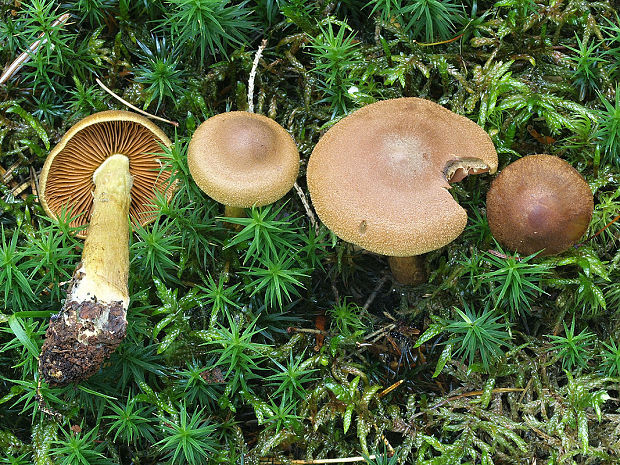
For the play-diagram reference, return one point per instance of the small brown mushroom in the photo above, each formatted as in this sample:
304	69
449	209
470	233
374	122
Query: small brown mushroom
243	159
106	167
539	202
379	178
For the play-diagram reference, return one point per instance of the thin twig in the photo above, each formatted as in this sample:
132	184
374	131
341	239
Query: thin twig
309	212
422	44
133	107
259	52
34	183
292	329
378	334
43	405
303	462
7	175
17	190
525	389
336	293
390	449
34	48
387	390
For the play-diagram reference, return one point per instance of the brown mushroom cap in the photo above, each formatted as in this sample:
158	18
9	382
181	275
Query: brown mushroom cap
539	202
66	180
379	177
243	159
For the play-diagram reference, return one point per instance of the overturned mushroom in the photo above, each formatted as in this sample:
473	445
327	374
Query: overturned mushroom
243	159
107	168
539	202
379	178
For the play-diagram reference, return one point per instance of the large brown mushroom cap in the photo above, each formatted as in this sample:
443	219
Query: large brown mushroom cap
539	202
379	177
66	180
243	159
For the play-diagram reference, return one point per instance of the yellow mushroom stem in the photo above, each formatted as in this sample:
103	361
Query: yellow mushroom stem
408	270
234	212
93	320
105	258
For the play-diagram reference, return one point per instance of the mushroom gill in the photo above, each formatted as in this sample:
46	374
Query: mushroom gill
70	182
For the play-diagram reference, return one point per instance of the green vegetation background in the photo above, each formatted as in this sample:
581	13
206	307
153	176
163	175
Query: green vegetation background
500	361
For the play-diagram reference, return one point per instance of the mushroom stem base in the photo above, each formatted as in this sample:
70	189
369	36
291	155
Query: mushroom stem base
93	320
79	339
408	270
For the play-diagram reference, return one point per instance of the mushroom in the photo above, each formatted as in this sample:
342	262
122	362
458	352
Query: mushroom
539	202
116	155
379	178
243	159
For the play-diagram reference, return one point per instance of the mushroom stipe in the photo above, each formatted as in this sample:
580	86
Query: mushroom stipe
93	321
116	153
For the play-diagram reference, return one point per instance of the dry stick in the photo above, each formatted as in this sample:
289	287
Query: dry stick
390	449
292	329
7	175
391	388
525	389
34	183
34	48
309	212
259	52
303	462
133	107
43	405
380	333
300	192
21	188
422	44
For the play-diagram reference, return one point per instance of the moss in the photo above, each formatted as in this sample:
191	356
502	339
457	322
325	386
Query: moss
538	76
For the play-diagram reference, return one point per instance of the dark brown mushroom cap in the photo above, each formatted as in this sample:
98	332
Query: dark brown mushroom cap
379	177
539	202
243	159
66	179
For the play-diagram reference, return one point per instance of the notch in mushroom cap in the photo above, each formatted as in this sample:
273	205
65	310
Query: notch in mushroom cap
539	202
243	159
379	178
66	180
115	154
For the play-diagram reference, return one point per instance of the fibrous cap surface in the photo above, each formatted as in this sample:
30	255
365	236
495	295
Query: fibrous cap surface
539	202
66	180
377	178
243	159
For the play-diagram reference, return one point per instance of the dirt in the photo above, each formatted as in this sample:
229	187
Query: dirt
68	355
